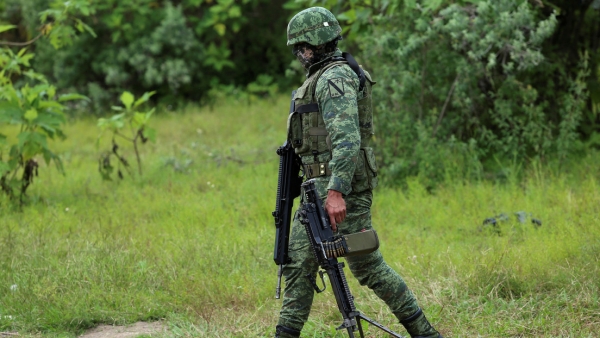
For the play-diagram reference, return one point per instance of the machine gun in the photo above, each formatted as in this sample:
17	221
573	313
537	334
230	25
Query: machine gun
327	248
288	188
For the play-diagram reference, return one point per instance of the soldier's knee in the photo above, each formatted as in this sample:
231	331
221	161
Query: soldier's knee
295	271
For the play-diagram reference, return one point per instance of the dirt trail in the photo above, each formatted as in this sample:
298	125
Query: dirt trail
129	331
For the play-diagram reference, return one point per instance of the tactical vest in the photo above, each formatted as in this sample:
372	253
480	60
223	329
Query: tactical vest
310	139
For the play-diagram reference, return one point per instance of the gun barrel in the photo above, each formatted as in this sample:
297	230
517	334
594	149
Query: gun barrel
278	288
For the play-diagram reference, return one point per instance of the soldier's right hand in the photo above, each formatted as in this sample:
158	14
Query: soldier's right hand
335	207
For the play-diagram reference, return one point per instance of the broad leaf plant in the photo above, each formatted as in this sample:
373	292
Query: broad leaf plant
31	112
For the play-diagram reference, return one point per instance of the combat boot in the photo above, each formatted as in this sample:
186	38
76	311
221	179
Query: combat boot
286	332
419	327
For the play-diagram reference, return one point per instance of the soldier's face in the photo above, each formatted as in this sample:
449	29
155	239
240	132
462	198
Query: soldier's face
305	53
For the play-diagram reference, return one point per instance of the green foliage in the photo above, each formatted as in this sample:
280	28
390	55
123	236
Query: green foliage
489	82
129	124
32	108
461	76
179	49
483	81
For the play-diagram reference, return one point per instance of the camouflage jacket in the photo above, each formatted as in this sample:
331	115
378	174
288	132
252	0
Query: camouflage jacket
337	94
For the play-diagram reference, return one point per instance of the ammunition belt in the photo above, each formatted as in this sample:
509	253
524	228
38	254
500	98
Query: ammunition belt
316	170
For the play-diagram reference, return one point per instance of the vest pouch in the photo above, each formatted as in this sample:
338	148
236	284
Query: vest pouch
365	175
360	180
308	120
295	131
371	167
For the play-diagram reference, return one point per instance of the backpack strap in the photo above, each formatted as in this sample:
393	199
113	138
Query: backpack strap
354	66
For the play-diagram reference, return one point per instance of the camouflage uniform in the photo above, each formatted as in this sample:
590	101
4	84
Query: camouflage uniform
351	171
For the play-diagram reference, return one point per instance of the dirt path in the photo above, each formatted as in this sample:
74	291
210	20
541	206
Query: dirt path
129	331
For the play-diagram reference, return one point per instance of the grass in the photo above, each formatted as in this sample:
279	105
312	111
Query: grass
191	242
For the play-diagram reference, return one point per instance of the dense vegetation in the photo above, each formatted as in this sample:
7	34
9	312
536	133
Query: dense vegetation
484	108
486	81
463	85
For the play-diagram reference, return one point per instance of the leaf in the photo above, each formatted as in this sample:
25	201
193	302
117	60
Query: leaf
50	104
57	162
432	5
117	117
51	92
51	118
112	124
220	28
31	114
22	52
82	26
143	99
71	97
150	133
4	28
10	112
35	76
349	15
149	114
235	12
29	146
139	119
47	156
127	99
4	168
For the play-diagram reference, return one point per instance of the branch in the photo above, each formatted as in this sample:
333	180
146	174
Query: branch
125	137
9	43
437	124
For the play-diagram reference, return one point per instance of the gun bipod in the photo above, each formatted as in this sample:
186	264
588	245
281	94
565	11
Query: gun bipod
376	324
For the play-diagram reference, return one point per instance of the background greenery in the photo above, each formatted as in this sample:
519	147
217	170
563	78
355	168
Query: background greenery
481	82
484	108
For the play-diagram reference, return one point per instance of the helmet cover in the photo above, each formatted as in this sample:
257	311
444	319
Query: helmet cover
315	26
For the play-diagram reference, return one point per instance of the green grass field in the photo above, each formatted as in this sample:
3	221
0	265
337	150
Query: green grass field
190	243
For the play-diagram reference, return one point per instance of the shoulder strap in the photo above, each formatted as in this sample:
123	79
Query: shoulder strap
348	58
354	66
313	86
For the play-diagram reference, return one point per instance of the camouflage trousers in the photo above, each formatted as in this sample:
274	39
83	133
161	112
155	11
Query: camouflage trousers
370	270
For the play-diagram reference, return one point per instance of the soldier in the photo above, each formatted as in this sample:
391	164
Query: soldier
331	131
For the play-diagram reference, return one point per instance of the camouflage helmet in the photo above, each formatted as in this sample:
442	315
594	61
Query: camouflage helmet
315	26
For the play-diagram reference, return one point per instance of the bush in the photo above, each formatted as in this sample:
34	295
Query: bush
29	104
179	49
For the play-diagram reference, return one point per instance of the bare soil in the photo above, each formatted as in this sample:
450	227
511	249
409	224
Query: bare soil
129	331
